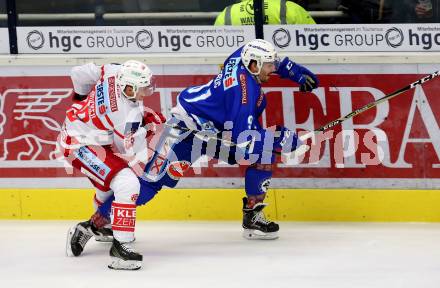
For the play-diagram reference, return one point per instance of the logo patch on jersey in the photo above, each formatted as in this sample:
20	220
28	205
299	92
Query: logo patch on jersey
112	94
100	99
243	89
92	104
228	82
218	80
92	162
102	109
100	94
134	197
230	70
97	107
265	185
177	169
103	99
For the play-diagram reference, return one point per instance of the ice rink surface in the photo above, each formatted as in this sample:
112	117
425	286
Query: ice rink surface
213	254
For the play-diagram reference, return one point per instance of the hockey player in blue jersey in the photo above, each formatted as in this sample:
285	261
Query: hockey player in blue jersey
220	119
231	102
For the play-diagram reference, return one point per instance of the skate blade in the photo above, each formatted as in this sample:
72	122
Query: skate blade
70	233
103	238
120	264
107	239
252	234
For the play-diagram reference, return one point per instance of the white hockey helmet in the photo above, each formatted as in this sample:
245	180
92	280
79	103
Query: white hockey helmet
137	75
261	52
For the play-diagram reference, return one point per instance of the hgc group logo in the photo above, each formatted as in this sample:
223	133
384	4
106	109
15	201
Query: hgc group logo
394	37
35	39
144	39
281	38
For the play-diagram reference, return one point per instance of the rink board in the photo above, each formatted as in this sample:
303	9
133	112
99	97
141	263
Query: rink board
401	184
399	139
225	204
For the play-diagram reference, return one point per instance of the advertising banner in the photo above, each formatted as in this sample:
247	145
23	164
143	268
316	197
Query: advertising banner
399	139
132	39
355	37
4	41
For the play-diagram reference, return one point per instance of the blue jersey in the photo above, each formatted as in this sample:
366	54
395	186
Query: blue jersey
233	95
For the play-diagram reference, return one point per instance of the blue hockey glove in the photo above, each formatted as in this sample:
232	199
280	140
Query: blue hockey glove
299	74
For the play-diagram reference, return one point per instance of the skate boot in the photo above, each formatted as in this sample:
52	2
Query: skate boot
77	238
255	224
104	234
124	257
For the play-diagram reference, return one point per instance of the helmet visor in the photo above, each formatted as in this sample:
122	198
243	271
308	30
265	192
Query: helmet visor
272	64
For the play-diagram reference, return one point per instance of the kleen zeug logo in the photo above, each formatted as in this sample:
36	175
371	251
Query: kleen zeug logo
281	38
35	39
144	39
394	37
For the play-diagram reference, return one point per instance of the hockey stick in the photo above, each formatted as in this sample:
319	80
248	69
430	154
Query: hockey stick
304	147
370	105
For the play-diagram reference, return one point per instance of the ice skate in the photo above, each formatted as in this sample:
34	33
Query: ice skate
77	238
124	257
255	224
104	234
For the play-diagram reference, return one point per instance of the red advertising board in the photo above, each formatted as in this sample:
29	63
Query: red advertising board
398	139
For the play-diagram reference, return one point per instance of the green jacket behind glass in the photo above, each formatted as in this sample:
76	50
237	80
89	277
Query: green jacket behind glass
275	12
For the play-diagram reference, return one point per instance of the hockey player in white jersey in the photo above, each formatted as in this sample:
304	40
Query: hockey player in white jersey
108	118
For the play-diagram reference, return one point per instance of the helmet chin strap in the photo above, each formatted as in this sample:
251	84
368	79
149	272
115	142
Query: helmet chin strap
254	73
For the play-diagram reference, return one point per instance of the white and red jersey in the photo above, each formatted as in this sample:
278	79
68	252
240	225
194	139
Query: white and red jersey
106	117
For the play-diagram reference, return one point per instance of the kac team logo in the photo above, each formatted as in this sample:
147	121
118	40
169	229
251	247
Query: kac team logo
281	38
35	39
144	39
177	169
394	37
